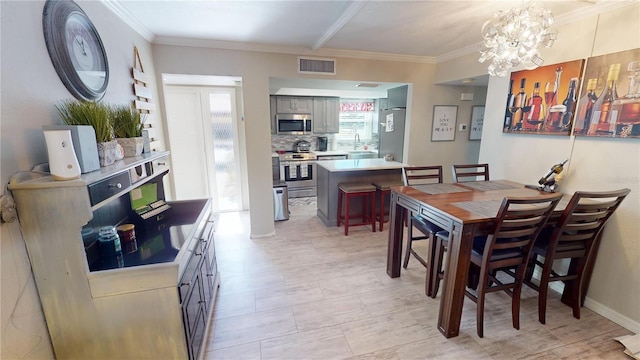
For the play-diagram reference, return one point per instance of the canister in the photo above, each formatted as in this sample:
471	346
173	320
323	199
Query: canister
127	235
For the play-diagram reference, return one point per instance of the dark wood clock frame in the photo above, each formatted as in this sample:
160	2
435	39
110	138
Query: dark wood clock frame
55	22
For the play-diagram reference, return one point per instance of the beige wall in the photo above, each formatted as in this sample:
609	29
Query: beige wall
30	89
256	68
595	164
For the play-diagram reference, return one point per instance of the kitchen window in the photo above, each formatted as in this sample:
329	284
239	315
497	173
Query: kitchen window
358	116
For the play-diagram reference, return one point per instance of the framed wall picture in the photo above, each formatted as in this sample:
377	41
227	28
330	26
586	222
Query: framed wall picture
477	118
543	101
609	104
444	122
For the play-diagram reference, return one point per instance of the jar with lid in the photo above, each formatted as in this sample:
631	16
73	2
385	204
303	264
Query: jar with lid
127	235
110	248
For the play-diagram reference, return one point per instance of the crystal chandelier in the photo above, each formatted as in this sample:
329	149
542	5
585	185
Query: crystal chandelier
513	37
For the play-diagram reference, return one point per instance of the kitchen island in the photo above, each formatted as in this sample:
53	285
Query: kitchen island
330	173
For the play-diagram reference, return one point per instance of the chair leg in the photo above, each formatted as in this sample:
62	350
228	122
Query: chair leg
407	251
543	290
339	206
381	209
515	298
346	215
372	196
436	268
480	303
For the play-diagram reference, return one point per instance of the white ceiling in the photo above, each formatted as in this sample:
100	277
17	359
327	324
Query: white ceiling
424	31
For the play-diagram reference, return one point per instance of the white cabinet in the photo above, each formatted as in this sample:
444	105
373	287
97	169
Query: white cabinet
158	304
294	105
326	115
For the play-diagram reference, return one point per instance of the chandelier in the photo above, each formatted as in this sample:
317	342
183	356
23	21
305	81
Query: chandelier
512	38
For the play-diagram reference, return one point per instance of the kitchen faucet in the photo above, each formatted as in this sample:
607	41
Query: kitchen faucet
356	140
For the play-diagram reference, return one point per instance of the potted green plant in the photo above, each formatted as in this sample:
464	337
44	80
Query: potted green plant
98	116
128	124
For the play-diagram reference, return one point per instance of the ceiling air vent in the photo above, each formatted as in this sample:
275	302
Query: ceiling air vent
316	66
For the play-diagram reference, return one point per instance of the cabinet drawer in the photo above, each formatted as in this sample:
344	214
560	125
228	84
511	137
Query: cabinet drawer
193	305
190	273
106	188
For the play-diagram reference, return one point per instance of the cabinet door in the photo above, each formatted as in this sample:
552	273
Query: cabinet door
274	128
319	123
294	105
332	115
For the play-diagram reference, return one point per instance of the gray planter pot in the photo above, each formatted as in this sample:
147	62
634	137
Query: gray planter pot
108	152
132	146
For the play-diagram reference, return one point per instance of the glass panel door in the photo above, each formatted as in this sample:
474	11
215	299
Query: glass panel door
224	141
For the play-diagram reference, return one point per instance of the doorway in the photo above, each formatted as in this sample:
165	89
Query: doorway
206	143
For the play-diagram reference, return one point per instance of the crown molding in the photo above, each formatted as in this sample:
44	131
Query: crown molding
116	7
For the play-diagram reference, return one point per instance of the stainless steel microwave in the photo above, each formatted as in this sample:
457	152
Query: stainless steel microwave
294	124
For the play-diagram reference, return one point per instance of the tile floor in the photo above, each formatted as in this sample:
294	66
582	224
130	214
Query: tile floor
311	293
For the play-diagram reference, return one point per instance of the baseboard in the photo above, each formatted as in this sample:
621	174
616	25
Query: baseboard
614	316
254	236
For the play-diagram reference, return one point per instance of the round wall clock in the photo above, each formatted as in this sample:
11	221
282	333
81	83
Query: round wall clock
75	49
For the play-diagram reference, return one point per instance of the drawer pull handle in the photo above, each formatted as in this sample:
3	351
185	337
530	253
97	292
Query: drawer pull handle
210	275
198	254
186	284
162	163
117	186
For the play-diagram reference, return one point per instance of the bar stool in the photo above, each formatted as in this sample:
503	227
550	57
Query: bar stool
366	192
383	189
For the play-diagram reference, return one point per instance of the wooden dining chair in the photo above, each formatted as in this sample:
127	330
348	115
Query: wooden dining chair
420	175
506	250
574	237
470	172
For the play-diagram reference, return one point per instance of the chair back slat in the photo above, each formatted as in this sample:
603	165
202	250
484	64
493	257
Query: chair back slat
470	172
419	175
519	221
585	216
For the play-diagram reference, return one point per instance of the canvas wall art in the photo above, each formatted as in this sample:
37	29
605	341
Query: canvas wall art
609	104
543	100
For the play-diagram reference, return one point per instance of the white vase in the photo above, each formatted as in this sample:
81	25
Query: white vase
107	152
131	146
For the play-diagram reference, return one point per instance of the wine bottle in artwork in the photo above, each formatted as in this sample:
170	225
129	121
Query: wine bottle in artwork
508	116
553	116
626	110
519	103
534	113
569	104
585	107
600	117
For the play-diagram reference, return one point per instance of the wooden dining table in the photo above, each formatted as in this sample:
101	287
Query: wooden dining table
465	210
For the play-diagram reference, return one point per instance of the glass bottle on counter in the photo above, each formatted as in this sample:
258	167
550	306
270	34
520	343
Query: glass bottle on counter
535	111
110	248
508	115
602	108
570	104
585	107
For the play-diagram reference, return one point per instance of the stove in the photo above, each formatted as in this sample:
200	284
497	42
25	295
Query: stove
298	170
298	156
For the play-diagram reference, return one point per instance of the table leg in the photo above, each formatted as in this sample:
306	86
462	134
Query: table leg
394	247
455	279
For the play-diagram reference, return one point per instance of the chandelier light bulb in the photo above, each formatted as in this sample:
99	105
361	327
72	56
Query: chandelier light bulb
514	37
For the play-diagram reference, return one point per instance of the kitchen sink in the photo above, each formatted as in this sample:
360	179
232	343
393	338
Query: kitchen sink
361	154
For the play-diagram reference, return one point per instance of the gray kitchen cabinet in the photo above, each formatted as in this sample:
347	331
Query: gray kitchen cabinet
397	97
326	115
154	303
294	105
274	124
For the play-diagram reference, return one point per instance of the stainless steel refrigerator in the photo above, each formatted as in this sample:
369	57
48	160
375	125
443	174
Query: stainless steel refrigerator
391	133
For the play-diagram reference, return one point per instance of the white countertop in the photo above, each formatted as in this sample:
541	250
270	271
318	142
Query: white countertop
330	152
359	164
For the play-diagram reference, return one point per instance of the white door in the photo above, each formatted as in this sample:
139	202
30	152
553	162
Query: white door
203	135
